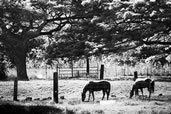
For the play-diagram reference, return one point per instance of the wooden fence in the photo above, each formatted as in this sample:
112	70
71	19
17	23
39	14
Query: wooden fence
143	70
75	72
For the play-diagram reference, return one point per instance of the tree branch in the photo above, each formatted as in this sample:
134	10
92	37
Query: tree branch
58	28
67	18
156	42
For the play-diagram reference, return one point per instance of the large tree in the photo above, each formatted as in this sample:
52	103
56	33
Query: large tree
22	22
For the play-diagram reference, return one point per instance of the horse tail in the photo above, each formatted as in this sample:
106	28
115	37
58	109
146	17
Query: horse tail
152	85
108	91
132	91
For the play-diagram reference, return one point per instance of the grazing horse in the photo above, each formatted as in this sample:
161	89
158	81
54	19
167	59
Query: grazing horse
96	86
143	83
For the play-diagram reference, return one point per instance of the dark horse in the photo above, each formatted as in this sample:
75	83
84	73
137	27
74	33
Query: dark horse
143	83
96	86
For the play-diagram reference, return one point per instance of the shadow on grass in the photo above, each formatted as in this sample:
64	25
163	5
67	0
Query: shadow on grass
163	78
20	109
163	98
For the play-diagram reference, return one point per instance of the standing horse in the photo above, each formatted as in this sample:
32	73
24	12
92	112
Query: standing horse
96	86
143	83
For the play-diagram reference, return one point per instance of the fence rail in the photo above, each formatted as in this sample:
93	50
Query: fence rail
66	72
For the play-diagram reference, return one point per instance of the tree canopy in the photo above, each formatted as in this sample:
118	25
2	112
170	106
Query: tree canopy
125	25
82	27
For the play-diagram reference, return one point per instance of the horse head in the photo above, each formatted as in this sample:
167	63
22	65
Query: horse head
132	91
83	96
85	89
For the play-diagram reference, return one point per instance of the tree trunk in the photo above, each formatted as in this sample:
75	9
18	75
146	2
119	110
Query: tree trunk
20	61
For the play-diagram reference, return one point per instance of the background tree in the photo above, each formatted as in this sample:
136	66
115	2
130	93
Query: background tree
137	24
148	23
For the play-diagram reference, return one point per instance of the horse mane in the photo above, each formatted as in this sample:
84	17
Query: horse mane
144	79
90	82
141	79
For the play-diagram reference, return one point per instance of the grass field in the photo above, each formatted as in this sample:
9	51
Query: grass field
41	92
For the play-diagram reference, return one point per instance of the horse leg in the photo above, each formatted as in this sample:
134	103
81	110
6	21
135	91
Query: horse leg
103	94
89	95
149	96
149	93
141	90
108	92
136	92
93	95
142	93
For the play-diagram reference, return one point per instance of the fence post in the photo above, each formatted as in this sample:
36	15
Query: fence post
102	72
57	70
87	67
46	70
97	70
15	89
55	87
147	71
124	70
116	70
135	75
72	69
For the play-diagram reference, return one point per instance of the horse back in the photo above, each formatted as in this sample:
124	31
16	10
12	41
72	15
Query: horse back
97	86
143	83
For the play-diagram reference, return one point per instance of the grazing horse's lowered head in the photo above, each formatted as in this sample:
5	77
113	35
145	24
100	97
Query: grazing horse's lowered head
143	83
83	96
96	86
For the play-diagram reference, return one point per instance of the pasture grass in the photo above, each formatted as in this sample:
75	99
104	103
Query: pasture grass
72	103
